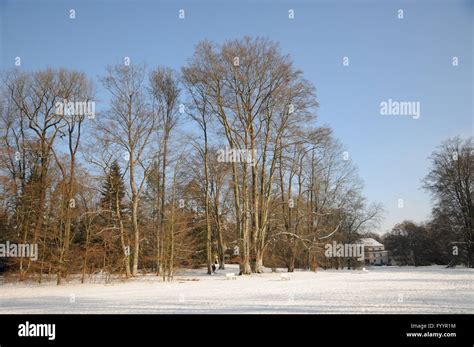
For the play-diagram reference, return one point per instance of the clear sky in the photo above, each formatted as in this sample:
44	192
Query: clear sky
407	59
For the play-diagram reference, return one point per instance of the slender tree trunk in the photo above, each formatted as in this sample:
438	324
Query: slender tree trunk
84	264
136	250
163	198
135	199
172	227
125	247
255	200
206	202
220	241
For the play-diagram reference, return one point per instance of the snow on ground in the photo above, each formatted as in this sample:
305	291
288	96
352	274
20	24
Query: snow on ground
432	289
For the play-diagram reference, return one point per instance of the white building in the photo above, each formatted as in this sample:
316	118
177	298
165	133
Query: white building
374	252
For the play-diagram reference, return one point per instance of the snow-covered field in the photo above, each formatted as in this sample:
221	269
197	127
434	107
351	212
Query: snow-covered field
379	290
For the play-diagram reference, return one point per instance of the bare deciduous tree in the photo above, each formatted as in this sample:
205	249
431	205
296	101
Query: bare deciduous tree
131	125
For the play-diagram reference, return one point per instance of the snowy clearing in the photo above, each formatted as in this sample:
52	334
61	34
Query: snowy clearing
379	290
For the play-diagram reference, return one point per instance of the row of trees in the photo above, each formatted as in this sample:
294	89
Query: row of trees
143	184
448	237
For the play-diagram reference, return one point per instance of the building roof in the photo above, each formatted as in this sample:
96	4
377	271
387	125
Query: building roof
370	242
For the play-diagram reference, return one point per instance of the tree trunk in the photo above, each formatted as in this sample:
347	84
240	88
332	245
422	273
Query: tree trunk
206	203
136	250
122	237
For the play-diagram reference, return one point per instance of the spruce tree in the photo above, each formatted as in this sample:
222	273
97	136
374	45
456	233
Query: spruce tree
113	189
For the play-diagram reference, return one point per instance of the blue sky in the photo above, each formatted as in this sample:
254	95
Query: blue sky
406	59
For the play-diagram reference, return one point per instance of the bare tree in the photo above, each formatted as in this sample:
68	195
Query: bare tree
451	182
131	125
200	105
165	93
76	92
